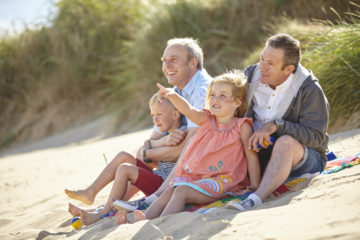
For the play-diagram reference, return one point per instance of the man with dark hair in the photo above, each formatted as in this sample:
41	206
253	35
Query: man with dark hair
287	102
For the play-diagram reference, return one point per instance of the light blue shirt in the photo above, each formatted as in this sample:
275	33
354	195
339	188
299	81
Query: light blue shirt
195	93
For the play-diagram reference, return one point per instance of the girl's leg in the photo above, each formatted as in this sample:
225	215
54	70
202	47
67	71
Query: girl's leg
157	207
183	195
87	195
124	173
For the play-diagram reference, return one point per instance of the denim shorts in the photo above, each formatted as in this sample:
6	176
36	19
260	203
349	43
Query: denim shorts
312	161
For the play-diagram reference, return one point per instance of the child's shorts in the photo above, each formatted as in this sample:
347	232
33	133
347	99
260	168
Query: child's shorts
147	181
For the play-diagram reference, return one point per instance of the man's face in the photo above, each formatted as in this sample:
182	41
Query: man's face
176	67
271	63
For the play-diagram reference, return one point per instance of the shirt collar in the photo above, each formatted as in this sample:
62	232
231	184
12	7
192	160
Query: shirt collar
286	84
190	86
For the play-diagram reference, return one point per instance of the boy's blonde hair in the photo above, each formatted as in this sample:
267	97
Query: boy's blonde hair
154	99
239	86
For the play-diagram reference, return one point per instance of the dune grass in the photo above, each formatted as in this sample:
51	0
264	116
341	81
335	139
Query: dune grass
334	57
104	56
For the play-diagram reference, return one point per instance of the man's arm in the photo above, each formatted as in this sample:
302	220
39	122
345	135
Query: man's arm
307	123
311	127
169	178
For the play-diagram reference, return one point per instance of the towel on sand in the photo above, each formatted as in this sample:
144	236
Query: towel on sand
332	166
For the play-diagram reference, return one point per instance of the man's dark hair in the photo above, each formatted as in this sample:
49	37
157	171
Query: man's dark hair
290	46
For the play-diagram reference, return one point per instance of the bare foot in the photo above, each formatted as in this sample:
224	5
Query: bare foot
120	217
76	210
88	218
85	196
139	215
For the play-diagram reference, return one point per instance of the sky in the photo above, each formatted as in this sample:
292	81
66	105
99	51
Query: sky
14	13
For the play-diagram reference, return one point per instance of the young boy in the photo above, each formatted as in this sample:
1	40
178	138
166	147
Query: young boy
126	168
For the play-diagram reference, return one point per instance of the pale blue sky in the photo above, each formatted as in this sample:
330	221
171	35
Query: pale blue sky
13	13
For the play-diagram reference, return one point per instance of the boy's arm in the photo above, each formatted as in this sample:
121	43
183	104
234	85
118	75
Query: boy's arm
251	156
195	115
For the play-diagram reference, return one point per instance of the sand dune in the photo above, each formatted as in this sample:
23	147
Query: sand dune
33	205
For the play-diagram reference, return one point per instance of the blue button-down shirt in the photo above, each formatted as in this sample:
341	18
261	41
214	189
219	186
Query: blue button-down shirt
195	93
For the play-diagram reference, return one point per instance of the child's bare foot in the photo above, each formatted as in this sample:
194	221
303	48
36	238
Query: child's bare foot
85	196
76	210
121	217
88	218
139	215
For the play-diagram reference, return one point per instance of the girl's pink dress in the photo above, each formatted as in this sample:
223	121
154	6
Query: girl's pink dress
214	162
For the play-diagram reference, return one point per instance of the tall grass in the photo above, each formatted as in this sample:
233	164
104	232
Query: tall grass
334	57
58	76
104	56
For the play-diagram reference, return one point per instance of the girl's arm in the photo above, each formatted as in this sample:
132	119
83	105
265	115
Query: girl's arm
252	157
195	115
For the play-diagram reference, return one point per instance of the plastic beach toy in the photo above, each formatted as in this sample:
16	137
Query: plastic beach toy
265	142
76	223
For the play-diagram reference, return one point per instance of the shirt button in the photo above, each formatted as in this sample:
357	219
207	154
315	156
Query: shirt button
273	94
268	107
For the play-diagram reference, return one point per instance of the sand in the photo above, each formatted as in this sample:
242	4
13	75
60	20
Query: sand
34	206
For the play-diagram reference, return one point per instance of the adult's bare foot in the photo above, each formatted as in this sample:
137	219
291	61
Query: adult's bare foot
139	215
76	210
88	218
120	217
85	196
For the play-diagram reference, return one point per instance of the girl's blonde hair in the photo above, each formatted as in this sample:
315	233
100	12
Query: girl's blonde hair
239	86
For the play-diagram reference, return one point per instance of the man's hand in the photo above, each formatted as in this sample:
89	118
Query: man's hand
175	137
260	135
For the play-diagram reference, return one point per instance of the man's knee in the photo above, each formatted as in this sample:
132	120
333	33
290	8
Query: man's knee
286	143
289	148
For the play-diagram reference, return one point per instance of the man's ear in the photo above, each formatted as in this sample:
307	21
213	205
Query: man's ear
289	69
194	62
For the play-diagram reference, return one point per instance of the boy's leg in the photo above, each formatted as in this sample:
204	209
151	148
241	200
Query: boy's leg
148	182
87	195
131	191
183	195
76	210
124	173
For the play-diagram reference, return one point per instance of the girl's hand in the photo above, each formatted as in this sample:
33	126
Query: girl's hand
165	92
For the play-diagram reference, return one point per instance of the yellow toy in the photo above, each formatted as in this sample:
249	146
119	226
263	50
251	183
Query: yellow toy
265	143
76	223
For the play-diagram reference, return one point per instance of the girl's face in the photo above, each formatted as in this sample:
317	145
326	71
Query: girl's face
165	117
222	102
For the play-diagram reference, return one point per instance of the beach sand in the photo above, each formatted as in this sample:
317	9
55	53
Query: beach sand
34	206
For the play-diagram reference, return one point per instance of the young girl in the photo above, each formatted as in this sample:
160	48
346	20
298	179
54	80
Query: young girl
217	161
126	168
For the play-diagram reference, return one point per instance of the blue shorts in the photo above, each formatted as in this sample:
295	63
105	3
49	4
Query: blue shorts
312	161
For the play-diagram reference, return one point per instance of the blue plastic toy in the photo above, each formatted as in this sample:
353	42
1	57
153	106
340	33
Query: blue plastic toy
265	142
